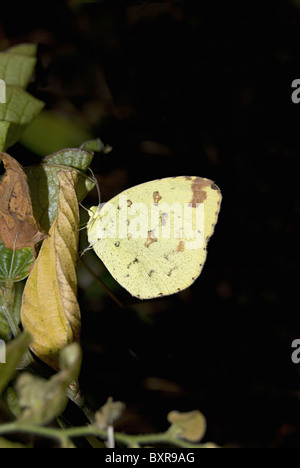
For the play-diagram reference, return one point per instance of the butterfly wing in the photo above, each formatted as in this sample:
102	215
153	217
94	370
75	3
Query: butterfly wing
153	237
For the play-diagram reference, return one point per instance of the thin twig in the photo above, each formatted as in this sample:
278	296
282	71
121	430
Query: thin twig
103	285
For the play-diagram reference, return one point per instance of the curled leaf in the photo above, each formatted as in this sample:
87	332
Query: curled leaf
188	426
50	311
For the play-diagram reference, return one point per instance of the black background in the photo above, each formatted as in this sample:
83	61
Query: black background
210	86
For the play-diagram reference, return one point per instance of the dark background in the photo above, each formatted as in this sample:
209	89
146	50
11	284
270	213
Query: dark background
183	88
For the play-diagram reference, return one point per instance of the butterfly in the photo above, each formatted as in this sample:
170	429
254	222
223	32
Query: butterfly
153	237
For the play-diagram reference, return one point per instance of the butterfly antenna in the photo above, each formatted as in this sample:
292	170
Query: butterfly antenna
97	185
86	209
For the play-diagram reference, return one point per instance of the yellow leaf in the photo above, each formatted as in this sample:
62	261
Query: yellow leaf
50	311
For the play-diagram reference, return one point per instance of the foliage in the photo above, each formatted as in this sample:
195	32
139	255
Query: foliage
35	392
20	109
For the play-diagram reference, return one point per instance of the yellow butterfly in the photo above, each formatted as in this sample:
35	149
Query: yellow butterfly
153	237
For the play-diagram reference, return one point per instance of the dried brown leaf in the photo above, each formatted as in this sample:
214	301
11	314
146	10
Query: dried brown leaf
18	227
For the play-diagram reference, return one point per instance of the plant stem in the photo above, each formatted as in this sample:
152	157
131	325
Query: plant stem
62	434
75	395
7	307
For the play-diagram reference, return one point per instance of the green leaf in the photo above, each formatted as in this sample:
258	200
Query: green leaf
6	444
5	331
44	189
4	129
96	146
20	109
19	288
16	69
15	266
74	158
42	400
11	399
70	363
50	132
28	50
14	353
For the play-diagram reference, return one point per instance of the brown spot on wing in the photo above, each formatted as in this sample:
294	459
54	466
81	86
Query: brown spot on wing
181	247
171	271
129	203
157	197
151	239
134	262
199	194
